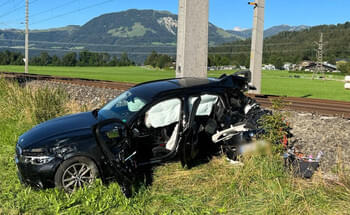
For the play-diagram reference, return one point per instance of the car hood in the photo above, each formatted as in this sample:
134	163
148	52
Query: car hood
57	127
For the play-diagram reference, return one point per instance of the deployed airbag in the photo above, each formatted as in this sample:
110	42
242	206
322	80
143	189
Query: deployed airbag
135	105
163	114
171	142
206	105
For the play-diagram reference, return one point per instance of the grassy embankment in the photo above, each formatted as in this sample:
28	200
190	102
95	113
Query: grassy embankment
274	82
261	186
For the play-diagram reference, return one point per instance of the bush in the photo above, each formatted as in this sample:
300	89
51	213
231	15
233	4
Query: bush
49	103
344	68
24	104
274	125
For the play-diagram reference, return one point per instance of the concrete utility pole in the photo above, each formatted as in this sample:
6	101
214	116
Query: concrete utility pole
192	38
257	44
319	67
26	39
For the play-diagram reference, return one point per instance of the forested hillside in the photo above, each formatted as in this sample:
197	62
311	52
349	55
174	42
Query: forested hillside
291	46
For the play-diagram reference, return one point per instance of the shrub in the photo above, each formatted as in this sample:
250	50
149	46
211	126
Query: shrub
49	103
274	125
344	68
31	105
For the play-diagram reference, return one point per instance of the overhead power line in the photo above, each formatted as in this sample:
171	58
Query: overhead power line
73	11
54	8
16	9
66	4
5	3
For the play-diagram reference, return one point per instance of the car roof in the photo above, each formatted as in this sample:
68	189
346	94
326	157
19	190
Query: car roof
153	89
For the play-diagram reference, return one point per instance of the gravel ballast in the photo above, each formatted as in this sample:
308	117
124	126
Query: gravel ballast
84	95
315	133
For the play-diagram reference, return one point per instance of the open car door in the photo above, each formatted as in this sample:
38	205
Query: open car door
190	146
112	136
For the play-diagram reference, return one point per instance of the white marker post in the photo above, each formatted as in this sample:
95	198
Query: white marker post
347	82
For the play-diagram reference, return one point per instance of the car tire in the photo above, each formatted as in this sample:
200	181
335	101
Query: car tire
75	173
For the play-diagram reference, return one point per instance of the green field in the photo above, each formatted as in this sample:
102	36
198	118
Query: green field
261	186
274	82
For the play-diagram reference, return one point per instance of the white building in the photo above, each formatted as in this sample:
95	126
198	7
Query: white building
269	67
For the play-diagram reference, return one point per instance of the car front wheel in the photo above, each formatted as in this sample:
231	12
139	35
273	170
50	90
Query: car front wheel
75	173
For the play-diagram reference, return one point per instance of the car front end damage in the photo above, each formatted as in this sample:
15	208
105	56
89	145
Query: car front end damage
35	167
242	129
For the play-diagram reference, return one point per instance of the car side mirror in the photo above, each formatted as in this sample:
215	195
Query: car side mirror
113	134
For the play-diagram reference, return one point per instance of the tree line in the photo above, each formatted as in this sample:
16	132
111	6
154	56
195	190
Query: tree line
159	60
83	58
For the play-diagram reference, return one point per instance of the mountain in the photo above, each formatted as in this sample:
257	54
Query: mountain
137	32
247	33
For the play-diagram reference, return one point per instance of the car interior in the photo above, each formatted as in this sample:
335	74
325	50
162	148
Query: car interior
158	128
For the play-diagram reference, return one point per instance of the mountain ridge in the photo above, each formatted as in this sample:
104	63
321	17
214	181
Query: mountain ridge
268	32
137	32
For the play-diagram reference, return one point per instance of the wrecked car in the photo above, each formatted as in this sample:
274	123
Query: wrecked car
151	123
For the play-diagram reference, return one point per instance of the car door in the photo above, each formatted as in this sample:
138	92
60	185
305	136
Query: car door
202	113
189	145
112	136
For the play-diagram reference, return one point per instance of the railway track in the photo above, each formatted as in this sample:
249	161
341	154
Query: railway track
22	77
319	106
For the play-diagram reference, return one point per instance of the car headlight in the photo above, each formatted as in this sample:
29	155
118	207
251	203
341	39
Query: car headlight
37	160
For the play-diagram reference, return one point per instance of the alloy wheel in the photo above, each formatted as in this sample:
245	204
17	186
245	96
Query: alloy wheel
77	175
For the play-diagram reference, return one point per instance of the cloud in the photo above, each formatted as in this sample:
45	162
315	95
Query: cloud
237	28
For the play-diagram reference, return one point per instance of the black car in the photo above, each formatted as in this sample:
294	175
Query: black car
150	123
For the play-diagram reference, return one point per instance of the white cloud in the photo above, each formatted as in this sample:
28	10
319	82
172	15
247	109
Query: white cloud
237	28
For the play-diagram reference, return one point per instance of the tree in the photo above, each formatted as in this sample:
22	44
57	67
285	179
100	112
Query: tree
344	68
125	61
45	59
114	61
69	59
152	59
56	61
84	58
11	58
164	61
158	60
277	61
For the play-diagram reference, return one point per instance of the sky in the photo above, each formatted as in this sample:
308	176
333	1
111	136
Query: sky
227	14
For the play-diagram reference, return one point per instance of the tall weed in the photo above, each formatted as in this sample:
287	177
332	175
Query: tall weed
29	105
49	103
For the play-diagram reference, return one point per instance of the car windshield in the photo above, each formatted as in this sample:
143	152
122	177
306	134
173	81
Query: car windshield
124	107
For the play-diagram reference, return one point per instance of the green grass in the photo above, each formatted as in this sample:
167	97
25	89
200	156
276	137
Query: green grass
261	186
122	74
273	82
279	83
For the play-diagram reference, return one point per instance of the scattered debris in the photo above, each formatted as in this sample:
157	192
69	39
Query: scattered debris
301	165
